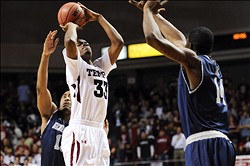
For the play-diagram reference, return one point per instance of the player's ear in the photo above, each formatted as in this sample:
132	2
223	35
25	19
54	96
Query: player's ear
189	45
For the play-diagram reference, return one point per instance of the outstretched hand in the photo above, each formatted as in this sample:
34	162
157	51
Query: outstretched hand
156	6
137	4
50	43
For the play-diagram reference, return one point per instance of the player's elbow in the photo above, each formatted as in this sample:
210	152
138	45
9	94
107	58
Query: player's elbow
69	42
118	43
151	39
38	89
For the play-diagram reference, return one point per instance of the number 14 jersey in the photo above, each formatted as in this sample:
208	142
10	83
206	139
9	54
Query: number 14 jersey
203	108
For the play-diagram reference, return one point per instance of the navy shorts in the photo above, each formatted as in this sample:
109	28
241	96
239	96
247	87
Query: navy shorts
210	152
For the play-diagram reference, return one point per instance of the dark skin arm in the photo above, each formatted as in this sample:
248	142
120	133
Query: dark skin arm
70	39
44	100
164	25
114	37
173	48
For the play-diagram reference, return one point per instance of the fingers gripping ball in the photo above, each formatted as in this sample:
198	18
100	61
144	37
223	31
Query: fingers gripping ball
71	12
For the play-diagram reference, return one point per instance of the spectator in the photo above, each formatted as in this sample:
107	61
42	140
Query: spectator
9	156
37	156
16	161
118	117
162	146
244	125
3	132
134	132
145	148
129	152
160	109
233	129
124	135
24	156
178	143
122	152
21	147
2	160
247	145
23	92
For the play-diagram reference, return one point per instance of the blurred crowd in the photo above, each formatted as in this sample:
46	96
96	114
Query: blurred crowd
144	122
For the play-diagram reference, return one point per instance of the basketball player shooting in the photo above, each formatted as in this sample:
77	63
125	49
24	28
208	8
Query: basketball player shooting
84	141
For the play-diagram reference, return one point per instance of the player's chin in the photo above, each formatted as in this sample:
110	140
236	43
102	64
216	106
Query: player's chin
66	109
86	53
86	56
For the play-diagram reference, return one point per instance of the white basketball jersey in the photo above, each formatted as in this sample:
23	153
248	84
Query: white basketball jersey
88	87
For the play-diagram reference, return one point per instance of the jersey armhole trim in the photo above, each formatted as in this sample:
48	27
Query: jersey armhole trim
202	76
48	122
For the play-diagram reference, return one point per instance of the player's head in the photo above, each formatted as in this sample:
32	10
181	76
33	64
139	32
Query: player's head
201	40
65	102
85	49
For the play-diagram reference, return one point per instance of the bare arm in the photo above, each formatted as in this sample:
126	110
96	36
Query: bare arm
155	39
114	37
167	29
170	31
178	53
44	100
70	39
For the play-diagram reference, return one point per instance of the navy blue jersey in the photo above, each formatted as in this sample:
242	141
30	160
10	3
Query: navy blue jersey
51	141
203	108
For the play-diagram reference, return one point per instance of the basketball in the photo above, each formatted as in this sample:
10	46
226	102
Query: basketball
71	12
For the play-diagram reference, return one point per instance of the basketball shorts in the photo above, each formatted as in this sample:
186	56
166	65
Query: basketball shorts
85	143
209	148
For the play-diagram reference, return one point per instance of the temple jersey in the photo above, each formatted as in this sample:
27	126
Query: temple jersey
85	141
51	141
203	108
88	87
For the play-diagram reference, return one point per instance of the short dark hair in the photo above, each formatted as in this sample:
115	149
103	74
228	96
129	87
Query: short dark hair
202	40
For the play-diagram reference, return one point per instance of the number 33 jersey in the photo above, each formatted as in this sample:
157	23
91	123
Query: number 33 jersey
88	86
203	108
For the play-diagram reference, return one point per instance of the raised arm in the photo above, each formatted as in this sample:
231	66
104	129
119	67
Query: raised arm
114	37
70	39
168	30
176	52
154	38
44	100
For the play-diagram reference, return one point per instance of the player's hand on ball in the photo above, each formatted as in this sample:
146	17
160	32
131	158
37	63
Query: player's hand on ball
89	14
65	27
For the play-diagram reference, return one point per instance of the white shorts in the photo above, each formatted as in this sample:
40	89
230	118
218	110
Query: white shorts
85	143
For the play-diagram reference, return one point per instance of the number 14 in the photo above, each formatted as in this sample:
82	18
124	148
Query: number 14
220	94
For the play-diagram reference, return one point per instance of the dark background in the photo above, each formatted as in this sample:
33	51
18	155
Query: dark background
30	21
